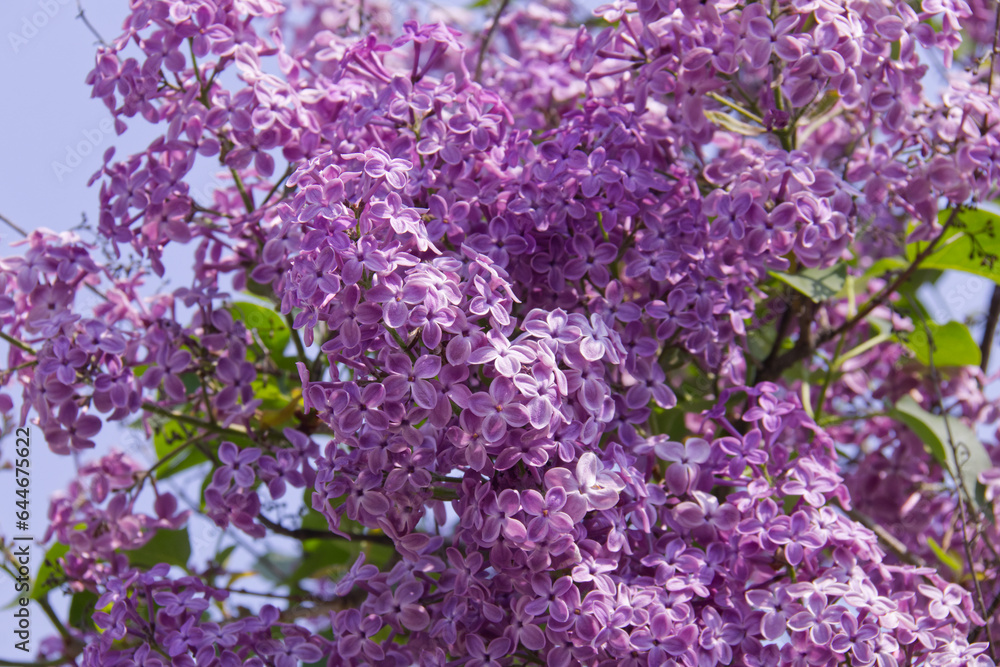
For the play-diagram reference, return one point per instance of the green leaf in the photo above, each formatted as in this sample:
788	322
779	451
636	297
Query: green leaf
934	430
270	326
732	124
953	345
883	266
221	557
952	560
817	284
277	567
81	610
259	289
322	558
270	395
969	245
50	573
668	422
864	347
191	383
166	546
168	437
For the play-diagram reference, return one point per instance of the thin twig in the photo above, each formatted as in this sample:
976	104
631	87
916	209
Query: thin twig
10	223
484	45
986	346
736	107
289	170
888	539
246	196
993	53
775	367
233	430
962	491
314	534
274	596
46	606
828	380
784	322
146	474
299	347
83	17
16	343
299	611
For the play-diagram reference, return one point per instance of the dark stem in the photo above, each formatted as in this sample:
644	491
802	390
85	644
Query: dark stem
233	431
962	492
779	336
779	365
16	343
83	17
299	347
284	177
314	534
484	46
993	53
7	221
991	328
890	541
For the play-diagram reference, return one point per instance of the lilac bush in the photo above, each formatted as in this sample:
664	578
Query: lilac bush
588	338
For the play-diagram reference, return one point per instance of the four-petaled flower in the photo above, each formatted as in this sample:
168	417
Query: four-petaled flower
499	409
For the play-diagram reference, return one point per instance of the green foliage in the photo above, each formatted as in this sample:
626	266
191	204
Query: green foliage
938	436
970	245
81	610
953	345
168	437
269	325
322	557
950	559
733	124
50	574
166	546
817	284
191	382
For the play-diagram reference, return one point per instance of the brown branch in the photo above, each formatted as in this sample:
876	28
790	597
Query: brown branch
314	534
487	38
293	613
986	346
994	607
774	366
233	430
779	365
10	223
780	332
890	541
993	53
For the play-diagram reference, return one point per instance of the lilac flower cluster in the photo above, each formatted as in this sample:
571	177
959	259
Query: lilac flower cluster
523	277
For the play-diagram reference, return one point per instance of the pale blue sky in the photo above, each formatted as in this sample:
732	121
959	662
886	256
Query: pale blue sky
46	115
